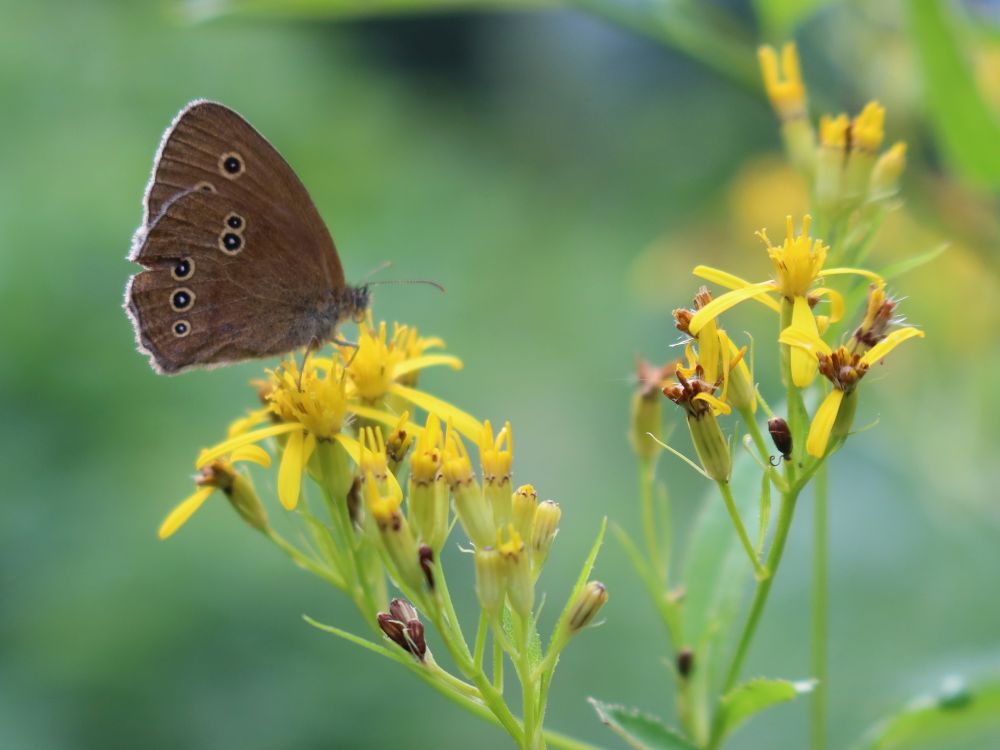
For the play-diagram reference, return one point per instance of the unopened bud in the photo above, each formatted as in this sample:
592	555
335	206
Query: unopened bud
587	605
685	662
517	567
426	556
543	532
524	503
237	489
401	624
781	435
491	580
887	171
711	446
397	445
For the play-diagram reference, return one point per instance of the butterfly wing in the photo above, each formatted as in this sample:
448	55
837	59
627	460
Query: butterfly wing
238	261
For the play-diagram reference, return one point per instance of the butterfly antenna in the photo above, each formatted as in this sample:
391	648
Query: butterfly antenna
407	281
379	268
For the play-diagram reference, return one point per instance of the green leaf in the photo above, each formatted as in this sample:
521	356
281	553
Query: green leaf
910	264
779	17
581	581
641	731
964	124
955	713
751	697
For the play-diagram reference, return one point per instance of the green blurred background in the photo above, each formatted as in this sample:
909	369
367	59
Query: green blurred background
560	176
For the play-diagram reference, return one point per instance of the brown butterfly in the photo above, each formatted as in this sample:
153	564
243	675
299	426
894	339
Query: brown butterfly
237	262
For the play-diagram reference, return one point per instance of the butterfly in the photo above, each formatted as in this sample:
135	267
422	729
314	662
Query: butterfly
237	263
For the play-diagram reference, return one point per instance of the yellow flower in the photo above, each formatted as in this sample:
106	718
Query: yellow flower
844	370
221	474
318	410
380	361
717	357
783	82
798	262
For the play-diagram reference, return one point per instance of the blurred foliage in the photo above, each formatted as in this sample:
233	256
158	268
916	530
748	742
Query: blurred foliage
559	176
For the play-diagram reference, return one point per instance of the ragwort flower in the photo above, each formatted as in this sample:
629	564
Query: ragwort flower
798	263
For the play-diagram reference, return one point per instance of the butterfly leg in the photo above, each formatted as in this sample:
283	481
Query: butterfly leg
353	345
313	346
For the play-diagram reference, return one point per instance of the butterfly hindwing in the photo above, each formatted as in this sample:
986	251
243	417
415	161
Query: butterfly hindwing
214	289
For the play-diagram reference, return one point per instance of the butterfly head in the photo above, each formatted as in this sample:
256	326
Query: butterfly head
356	302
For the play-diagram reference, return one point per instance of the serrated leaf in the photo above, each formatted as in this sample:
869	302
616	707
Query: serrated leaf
957	712
641	731
752	697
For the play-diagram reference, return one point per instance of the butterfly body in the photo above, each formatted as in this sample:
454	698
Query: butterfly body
237	262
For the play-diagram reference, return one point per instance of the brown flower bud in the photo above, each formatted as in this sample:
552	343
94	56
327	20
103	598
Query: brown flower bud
426	556
781	435
401	625
685	662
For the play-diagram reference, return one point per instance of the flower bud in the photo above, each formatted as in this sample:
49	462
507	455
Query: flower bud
401	624
397	445
524	503
845	416
426	557
395	533
587	605
470	504
647	408
887	171
685	662
496	456
517	566
491	581
543	532
237	489
781	435
711	446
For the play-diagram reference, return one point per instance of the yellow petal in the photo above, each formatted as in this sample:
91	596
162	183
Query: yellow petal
290	471
252	453
854	272
353	448
718	407
804	363
428	360
465	423
708	351
720	304
730	281
804	340
836	302
241	425
378	415
228	446
822	424
889	343
179	515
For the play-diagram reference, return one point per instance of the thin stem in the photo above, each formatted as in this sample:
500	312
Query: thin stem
304	561
760	595
727	495
529	686
820	611
647	473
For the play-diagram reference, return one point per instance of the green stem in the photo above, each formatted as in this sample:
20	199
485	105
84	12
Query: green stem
304	561
650	529
760	595
529	688
727	495
820	611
